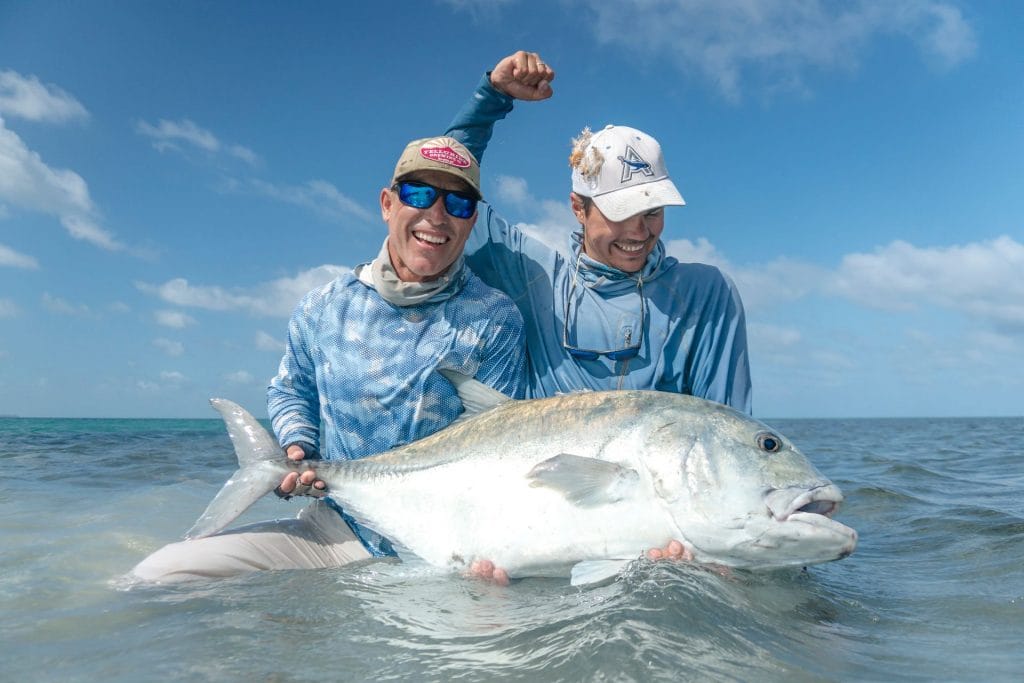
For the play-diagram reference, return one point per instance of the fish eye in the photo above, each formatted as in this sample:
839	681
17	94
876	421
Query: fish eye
768	442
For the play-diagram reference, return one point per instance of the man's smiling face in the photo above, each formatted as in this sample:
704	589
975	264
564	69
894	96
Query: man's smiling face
423	243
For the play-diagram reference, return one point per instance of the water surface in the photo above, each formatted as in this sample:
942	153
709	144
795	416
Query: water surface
935	590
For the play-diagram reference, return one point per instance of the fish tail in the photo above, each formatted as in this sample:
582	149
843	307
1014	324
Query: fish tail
259	470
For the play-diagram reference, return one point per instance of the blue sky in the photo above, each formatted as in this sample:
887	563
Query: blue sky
175	175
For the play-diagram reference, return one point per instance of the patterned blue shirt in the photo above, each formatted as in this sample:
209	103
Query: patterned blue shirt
359	375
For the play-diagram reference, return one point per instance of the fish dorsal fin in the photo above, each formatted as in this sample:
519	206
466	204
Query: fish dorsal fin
476	396
584	481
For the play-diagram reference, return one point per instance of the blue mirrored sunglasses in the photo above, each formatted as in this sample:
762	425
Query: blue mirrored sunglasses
630	351
423	196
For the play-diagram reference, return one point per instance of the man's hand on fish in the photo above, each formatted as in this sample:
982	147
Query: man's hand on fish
296	484
679	552
673	551
523	76
485	569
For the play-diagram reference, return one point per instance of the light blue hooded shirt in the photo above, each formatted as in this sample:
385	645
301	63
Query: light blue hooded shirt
694	337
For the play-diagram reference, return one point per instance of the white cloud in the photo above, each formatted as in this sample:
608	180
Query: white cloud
318	196
982	279
173	319
762	285
26	98
701	251
266	342
480	10
55	304
168	380
84	228
776	41
8	309
170	347
167	134
513	190
554	220
177	135
26	181
275	298
239	377
939	29
985	343
14	259
769	336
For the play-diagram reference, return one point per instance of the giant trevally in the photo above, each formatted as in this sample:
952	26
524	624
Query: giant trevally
577	484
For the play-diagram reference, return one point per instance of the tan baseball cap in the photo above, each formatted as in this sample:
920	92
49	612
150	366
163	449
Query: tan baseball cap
444	154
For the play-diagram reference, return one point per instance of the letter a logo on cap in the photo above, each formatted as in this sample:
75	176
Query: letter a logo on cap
633	163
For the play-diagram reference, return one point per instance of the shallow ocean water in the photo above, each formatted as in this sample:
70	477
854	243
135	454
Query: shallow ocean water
935	590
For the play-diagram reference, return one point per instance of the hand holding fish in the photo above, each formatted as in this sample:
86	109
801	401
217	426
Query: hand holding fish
524	76
296	484
485	569
673	551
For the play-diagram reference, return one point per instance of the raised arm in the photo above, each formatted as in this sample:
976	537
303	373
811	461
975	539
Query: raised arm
520	76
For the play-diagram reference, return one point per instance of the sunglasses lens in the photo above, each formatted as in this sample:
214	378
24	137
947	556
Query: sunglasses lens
624	354
421	196
582	354
459	205
418	196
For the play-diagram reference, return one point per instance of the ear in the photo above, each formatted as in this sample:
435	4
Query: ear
387	203
578	207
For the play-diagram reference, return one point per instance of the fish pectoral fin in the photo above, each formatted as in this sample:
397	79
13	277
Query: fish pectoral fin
591	572
476	396
583	481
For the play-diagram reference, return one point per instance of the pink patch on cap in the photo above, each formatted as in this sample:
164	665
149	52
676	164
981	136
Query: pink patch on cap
445	155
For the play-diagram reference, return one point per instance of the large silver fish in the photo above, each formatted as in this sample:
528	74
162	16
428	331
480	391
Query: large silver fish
577	484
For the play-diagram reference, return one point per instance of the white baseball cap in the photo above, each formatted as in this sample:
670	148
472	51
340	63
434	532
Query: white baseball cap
623	171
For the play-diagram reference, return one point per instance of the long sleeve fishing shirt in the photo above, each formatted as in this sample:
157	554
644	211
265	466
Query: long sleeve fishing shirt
687	317
359	375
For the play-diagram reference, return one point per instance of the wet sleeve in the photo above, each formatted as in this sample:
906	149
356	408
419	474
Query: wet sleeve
474	123
293	401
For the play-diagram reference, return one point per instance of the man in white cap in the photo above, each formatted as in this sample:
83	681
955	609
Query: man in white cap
359	374
606	307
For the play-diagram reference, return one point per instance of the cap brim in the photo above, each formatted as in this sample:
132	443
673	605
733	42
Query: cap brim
629	201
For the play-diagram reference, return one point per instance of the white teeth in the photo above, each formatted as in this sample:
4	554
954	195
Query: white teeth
632	248
433	239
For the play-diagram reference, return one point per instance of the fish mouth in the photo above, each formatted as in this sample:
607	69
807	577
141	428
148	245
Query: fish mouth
785	504
812	509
